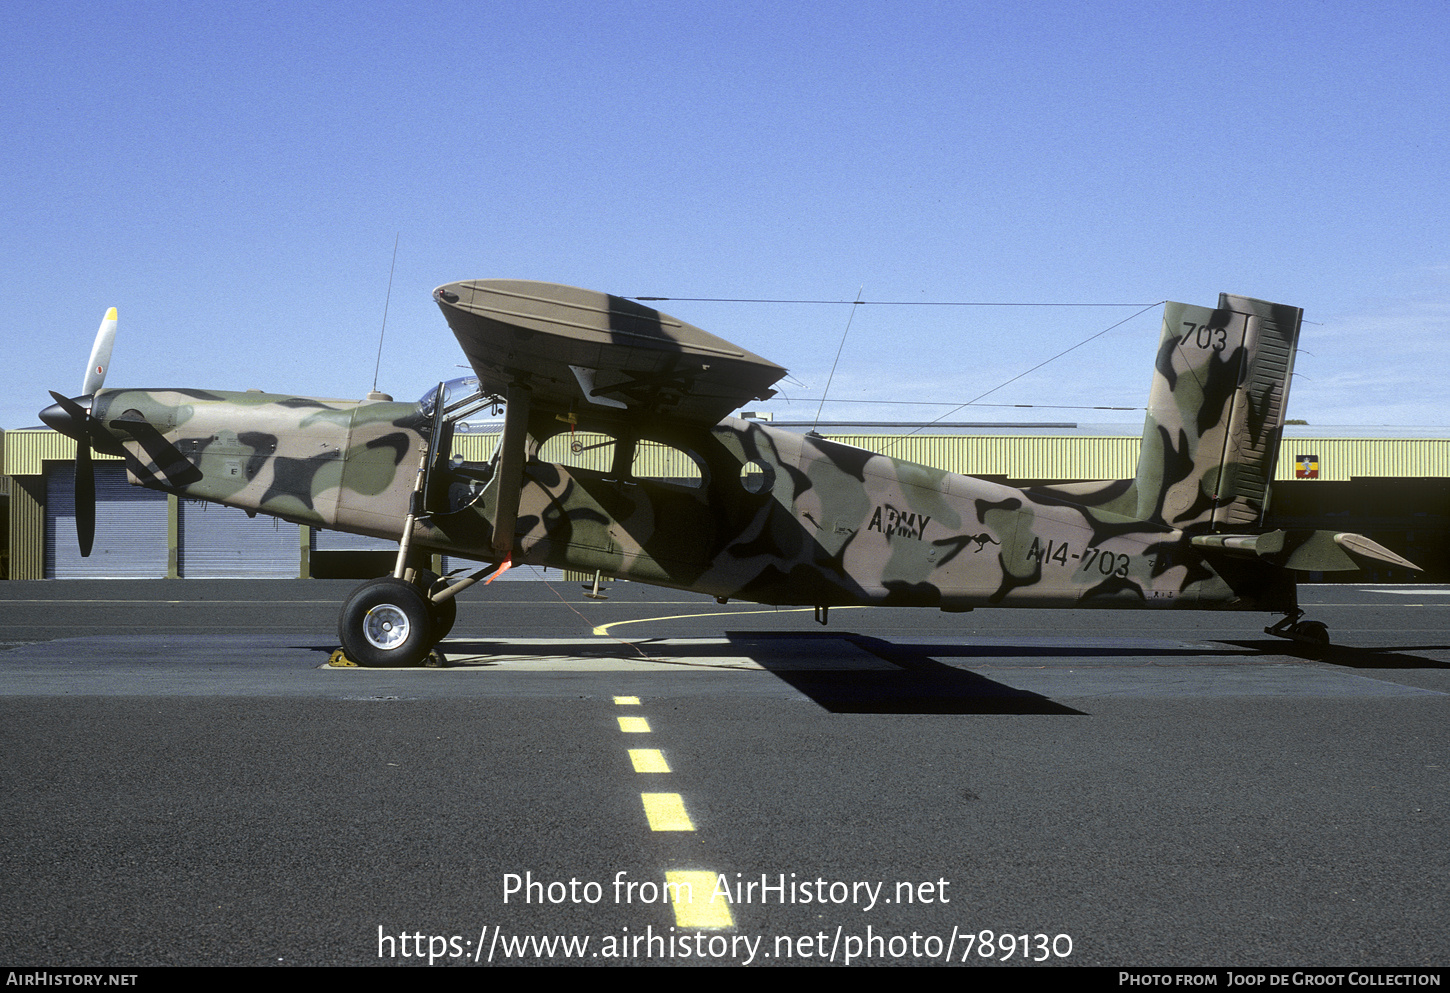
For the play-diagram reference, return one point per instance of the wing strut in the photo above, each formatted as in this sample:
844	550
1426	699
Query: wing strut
511	468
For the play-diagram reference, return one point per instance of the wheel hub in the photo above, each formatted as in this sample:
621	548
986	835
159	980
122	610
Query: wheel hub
385	627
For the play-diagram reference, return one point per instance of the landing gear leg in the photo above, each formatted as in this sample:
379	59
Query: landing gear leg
392	621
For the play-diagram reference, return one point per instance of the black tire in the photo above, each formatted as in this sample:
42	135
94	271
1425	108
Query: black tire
443	614
1312	632
386	622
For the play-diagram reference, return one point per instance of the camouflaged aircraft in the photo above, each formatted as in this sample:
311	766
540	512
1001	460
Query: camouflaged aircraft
764	515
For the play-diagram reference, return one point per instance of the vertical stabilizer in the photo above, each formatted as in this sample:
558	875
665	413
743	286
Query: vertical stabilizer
1215	413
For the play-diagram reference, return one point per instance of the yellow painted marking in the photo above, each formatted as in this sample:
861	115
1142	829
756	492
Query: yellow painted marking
627	701
666	812
604	628
691	893
648	760
633	725
110	314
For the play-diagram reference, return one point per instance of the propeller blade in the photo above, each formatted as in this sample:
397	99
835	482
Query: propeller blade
100	354
85	498
74	421
72	418
68	417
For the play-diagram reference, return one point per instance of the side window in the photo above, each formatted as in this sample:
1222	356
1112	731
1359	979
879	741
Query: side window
475	447
757	477
580	450
655	460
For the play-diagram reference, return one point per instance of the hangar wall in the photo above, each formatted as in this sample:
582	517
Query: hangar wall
1395	490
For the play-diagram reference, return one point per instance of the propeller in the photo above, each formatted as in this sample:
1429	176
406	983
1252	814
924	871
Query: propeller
100	355
72	418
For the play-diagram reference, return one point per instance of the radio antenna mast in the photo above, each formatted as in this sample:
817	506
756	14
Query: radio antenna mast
375	395
839	347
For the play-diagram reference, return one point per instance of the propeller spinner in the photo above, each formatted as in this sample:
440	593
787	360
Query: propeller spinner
72	418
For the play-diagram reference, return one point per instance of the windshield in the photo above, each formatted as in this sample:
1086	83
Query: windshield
463	388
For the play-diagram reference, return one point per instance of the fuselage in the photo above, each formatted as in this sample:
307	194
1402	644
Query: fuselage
767	515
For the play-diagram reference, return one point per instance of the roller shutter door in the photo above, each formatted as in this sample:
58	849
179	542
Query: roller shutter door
217	542
130	527
340	541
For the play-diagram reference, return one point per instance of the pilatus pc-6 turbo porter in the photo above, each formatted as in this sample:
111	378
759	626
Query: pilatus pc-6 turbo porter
765	515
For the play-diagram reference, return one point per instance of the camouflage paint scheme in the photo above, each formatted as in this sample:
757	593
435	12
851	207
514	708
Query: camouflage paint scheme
341	464
777	517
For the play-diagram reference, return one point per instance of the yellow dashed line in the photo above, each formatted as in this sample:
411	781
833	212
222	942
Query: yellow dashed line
691	893
698	910
648	760
666	812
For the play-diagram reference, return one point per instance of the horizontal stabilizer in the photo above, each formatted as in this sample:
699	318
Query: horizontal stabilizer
1305	551
1359	545
574	348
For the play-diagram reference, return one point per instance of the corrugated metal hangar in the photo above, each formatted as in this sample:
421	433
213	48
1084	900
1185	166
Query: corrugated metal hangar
1395	490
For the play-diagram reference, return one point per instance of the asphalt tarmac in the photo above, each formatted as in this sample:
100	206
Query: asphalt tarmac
186	782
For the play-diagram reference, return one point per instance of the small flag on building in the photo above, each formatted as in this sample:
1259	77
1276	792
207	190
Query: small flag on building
1306	467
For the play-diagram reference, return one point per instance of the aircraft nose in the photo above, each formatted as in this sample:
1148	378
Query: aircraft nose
69	422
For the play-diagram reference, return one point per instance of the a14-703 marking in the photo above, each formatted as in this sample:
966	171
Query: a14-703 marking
1089	560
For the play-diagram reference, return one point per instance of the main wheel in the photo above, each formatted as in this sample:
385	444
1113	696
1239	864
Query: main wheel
386	622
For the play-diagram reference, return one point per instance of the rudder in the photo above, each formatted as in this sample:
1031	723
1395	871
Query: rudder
1215	413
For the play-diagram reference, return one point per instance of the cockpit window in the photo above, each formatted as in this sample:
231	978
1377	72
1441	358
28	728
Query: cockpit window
455	392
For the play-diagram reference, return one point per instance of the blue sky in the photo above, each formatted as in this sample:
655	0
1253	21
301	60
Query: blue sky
232	178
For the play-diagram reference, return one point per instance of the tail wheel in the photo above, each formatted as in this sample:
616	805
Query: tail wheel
386	622
1311	632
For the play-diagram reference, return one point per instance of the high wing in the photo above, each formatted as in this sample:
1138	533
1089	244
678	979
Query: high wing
578	349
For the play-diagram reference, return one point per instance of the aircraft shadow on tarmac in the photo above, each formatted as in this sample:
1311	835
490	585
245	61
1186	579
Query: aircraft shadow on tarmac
917	680
932	686
1349	657
921	684
912	683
